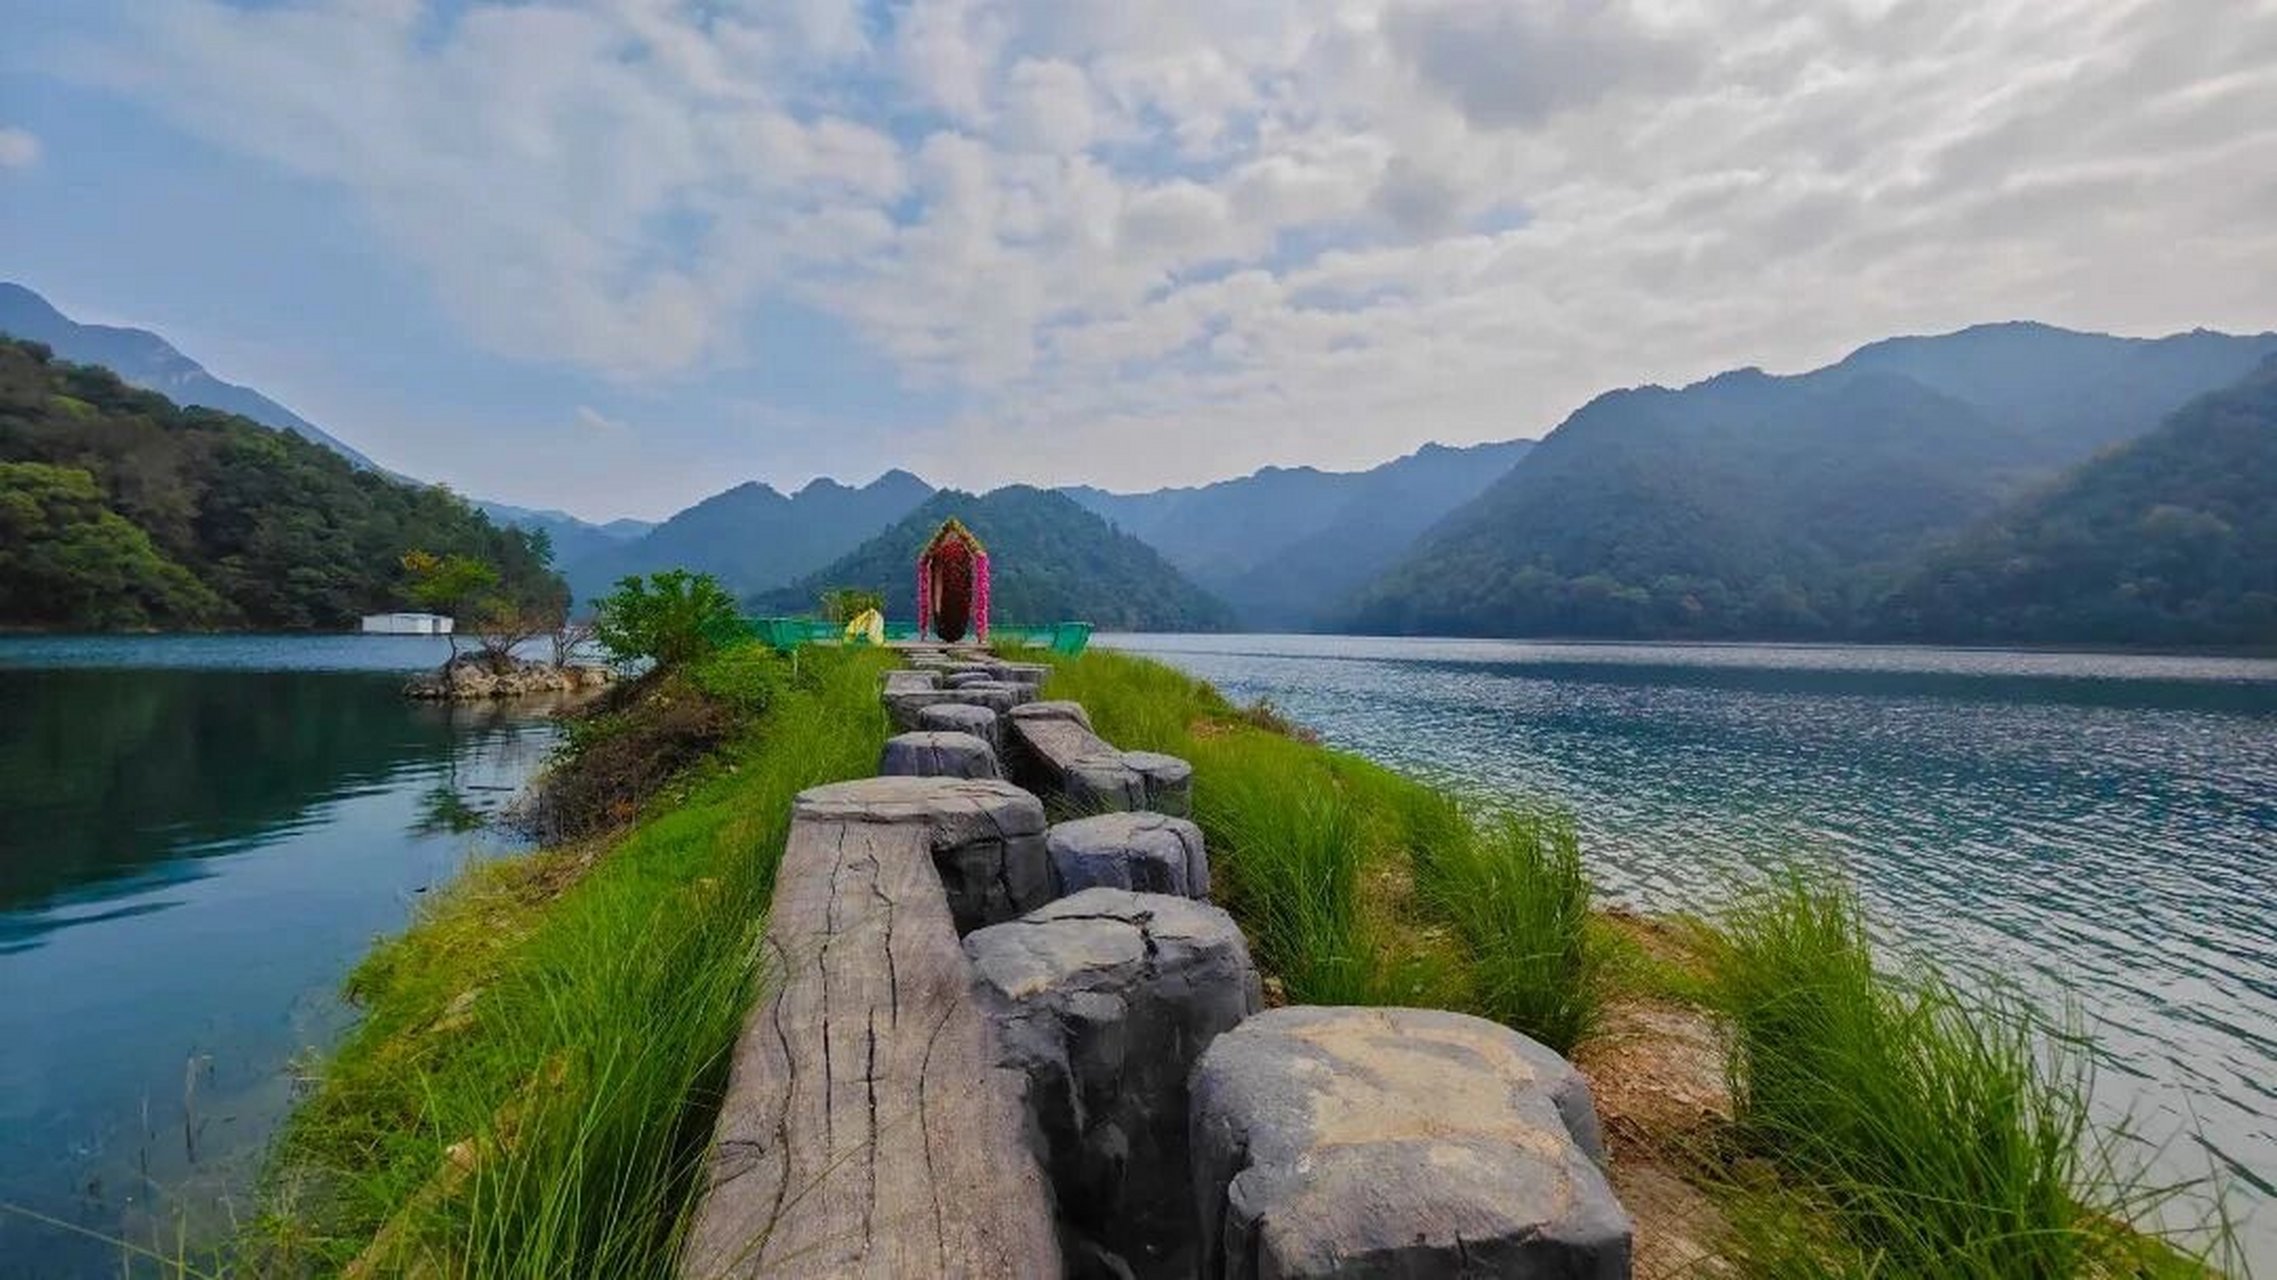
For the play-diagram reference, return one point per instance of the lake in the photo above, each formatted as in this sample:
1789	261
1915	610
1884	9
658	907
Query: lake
203	834
2102	828
199	837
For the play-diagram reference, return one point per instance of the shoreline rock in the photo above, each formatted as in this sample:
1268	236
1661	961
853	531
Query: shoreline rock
471	678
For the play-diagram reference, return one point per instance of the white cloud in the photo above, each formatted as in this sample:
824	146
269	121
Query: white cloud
19	148
1181	239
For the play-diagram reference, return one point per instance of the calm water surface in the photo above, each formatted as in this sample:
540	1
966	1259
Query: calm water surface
199	836
2103	826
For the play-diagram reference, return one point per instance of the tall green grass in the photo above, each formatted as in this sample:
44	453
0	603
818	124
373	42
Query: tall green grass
533	1085
1944	1133
1359	885
1514	889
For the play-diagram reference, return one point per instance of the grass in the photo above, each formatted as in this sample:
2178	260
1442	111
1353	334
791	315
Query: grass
1932	1132
1358	885
532	1087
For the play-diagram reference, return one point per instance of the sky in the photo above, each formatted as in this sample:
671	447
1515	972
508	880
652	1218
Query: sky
615	255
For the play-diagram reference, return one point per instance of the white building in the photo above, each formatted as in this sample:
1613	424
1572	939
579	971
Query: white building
407	624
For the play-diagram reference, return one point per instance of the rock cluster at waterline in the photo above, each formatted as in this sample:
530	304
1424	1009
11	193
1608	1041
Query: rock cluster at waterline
472	678
995	1045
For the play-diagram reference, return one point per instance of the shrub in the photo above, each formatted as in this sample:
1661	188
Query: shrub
670	618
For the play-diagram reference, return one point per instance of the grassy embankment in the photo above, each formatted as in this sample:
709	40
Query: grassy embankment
532	1085
1885	1123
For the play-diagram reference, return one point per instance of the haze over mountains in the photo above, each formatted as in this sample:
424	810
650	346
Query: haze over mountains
1955	487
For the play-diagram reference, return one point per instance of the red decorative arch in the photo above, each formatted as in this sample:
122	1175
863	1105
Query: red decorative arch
952	584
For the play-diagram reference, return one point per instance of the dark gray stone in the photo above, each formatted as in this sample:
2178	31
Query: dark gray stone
959	679
964	717
1143	852
907	680
902	705
938	755
987	837
1397	1142
1031	674
996	695
1168	780
1053	710
1105	999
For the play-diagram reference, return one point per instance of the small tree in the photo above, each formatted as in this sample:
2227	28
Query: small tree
670	618
503	625
452	585
841	605
569	637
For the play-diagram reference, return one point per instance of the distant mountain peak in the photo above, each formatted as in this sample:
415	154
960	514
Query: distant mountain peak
143	359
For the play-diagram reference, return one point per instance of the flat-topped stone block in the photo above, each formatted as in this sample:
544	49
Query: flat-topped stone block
1050	709
996	695
986	836
964	717
908	680
1104	1000
1397	1142
902	705
959	679
938	755
1143	852
1168	782
1031	674
867	1127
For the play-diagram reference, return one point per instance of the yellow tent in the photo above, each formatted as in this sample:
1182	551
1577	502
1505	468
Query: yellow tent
867	625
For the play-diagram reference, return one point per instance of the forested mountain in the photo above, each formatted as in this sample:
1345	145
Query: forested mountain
573	539
752	538
2170	539
145	360
1049	559
119	510
1757	506
1287	546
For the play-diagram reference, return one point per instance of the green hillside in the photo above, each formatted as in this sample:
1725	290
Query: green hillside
2168	540
120	510
1754	506
1050	561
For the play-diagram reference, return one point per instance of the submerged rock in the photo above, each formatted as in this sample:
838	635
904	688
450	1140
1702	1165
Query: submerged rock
1397	1142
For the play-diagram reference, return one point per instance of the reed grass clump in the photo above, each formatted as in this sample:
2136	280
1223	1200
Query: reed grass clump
1942	1132
532	1088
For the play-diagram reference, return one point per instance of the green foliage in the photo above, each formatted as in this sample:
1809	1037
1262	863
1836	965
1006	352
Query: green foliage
557	1027
447	584
669	618
67	560
842	605
1813	507
1946	1134
276	531
2171	539
1516	893
1049	561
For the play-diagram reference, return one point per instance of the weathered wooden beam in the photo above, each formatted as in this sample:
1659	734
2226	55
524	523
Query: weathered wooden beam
867	1130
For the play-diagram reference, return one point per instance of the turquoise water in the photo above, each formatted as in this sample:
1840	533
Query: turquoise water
199	837
2102	828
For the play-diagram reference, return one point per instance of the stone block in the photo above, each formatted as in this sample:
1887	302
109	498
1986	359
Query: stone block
1143	852
964	717
1397	1142
938	755
1168	782
1105	1000
987	837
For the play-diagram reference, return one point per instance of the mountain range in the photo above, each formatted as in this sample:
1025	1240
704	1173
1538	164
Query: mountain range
1050	561
1755	506
2003	483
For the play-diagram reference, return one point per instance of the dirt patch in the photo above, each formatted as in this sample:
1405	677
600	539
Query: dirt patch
1656	1069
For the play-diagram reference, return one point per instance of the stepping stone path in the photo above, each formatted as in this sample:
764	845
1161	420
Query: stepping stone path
865	1084
963	717
938	755
1144	852
1051	748
1104	1000
1397	1142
